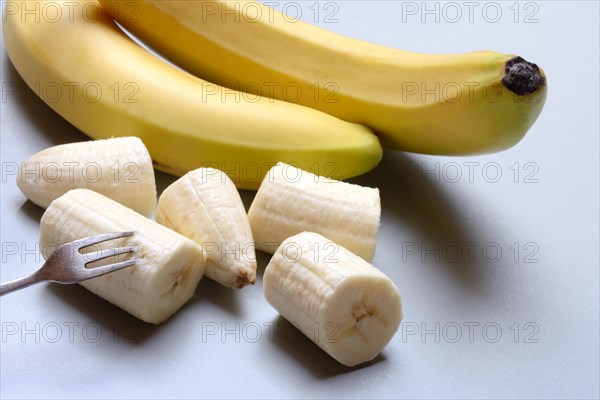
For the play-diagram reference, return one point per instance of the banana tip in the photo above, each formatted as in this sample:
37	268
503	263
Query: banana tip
522	77
244	279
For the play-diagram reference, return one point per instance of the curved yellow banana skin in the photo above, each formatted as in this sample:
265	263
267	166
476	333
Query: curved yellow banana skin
453	104
111	86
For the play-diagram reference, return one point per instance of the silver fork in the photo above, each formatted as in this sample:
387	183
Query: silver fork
68	265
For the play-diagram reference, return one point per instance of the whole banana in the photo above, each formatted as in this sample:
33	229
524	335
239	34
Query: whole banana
85	67
452	104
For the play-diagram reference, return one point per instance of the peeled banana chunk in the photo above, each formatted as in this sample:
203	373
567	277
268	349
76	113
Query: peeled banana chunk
169	267
349	308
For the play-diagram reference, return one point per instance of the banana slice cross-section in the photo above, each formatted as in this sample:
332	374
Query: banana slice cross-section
345	305
169	267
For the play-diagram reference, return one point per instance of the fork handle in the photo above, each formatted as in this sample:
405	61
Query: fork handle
17	284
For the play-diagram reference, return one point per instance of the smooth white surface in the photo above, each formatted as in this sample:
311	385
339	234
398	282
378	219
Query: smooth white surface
63	342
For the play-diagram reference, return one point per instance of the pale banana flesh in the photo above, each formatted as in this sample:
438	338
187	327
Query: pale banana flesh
114	87
454	104
345	305
205	206
169	267
291	200
119	168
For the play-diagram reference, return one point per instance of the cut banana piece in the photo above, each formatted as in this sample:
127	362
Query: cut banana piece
290	201
205	206
169	267
119	168
342	303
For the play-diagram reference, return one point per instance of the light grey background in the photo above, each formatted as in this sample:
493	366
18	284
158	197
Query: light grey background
527	317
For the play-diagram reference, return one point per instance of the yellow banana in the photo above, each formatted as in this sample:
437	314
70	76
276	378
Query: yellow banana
472	103
81	63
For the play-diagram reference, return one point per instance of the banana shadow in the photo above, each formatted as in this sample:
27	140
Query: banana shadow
294	343
262	260
223	297
426	209
48	124
32	210
247	197
163	180
230	299
123	326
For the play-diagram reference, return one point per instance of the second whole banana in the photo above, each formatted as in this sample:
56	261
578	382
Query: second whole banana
449	104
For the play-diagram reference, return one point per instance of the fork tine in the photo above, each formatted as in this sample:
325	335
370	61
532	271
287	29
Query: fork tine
106	253
88	241
105	269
